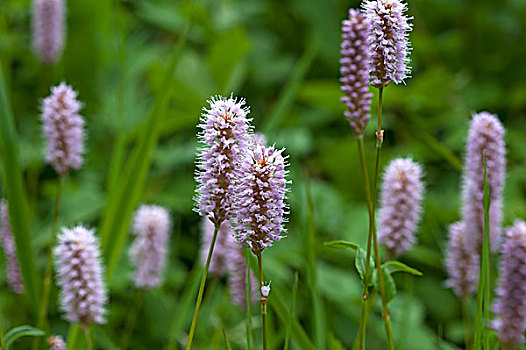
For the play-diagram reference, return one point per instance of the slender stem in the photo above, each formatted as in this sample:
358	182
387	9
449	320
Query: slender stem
378	261
363	316
465	317
46	290
2	344
202	288
263	302
248	311
132	318
87	336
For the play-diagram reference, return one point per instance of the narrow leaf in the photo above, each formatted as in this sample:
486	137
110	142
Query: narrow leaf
227	343
389	284
17	197
397	266
21	331
342	245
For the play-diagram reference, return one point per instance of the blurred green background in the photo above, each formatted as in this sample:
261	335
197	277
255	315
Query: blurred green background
282	56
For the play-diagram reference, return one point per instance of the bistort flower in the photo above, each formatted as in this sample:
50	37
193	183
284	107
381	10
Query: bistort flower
151	227
237	279
486	136
510	304
388	41
79	273
402	193
63	128
14	276
56	342
260	198
48	29
355	70
224	138
462	261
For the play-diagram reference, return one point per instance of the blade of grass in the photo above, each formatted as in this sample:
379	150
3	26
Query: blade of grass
287	95
17	198
318	321
122	201
291	312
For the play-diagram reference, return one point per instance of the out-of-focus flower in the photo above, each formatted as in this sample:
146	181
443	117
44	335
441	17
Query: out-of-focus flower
510	304
63	128
14	276
402	193
48	29
486	136
79	273
151	227
56	342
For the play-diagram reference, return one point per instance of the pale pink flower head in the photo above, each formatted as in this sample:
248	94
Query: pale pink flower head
388	41
48	29
400	212
56	342
260	198
510	302
462	261
151	228
83	295
486	136
63	128
14	275
224	137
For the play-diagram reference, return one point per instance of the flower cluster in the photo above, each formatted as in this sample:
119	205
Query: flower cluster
224	137
56	342
151	227
260	198
48	29
237	279
510	304
355	69
63	128
14	277
79	274
462	261
486	137
402	193
388	40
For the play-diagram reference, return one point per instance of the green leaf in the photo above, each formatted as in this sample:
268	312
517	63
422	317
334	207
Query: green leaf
360	261
17	197
397	266
21	331
227	343
389	284
342	245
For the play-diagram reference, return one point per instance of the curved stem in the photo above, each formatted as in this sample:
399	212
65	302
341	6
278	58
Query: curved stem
202	288
263	303
46	291
132	318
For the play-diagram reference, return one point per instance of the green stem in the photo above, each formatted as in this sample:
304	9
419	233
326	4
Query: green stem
46	291
132	318
363	316
263	302
487	256
378	261
248	312
87	337
465	317
202	288
2	344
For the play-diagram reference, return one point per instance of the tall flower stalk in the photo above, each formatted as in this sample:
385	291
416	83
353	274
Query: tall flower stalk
261	209
63	128
224	138
14	276
382	41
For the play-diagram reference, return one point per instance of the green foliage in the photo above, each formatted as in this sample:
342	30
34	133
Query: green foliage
19	332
